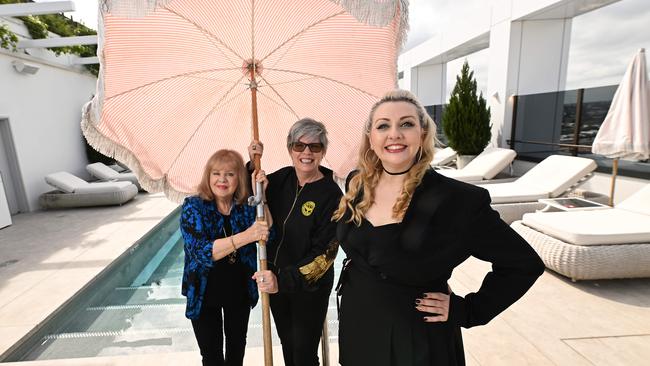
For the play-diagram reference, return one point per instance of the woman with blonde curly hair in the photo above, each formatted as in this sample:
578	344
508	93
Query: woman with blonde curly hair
404	228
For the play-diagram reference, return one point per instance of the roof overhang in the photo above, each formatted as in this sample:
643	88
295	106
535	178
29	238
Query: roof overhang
14	10
57	42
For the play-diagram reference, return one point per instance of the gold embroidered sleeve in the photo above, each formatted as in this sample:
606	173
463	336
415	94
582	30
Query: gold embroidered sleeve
315	269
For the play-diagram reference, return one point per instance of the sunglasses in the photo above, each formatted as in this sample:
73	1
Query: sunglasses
315	147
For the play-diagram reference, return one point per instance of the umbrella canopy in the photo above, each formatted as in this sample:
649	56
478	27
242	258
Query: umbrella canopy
625	133
174	81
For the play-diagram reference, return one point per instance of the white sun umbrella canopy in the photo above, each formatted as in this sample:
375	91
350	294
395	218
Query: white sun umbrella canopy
625	132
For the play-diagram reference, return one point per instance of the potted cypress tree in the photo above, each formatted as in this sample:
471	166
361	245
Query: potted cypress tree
466	119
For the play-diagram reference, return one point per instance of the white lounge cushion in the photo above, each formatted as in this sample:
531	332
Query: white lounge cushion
103	187
485	166
70	183
638	202
597	227
443	156
104	172
490	162
460	175
65	181
550	178
511	192
557	173
101	171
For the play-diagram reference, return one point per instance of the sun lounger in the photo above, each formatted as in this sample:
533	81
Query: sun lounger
103	172
550	178
485	166
73	191
443	157
598	244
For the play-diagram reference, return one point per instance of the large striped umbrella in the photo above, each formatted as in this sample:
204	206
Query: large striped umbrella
176	79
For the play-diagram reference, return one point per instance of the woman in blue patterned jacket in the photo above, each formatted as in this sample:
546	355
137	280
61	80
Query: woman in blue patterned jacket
219	231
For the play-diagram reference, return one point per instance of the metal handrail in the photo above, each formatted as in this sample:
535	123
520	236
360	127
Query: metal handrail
572	146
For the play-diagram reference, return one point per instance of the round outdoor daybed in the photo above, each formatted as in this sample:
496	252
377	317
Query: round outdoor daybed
59	199
588	262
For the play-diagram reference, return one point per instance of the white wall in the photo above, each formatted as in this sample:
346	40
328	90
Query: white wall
429	83
44	112
544	55
504	54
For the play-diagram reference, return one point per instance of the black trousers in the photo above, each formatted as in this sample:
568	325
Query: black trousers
209	330
299	321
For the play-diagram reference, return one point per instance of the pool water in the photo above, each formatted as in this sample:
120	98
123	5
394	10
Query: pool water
135	306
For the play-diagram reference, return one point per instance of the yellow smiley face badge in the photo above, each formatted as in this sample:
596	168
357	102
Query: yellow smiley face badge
308	208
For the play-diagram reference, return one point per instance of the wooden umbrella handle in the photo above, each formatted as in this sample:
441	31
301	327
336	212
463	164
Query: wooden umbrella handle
266	308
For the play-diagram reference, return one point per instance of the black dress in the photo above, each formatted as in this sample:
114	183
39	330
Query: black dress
393	265
378	314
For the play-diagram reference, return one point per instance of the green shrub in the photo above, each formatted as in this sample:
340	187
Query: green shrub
8	39
466	119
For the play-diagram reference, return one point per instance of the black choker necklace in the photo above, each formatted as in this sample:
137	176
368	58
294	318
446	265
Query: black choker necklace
398	173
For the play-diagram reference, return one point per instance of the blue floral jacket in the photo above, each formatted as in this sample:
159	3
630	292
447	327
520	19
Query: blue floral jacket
201	225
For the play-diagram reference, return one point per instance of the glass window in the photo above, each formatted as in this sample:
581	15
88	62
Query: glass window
545	121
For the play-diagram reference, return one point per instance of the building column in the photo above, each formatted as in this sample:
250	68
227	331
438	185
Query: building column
526	57
429	83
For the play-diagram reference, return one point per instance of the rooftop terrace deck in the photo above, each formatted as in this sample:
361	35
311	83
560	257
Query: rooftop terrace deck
46	257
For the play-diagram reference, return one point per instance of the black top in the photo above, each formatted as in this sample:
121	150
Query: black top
226	281
374	243
302	217
446	222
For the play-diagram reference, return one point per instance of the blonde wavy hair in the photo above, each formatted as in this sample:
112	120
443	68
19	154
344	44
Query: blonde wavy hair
370	167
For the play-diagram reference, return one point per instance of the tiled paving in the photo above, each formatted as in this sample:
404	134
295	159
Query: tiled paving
46	257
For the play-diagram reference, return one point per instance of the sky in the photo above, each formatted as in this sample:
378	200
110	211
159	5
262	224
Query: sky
602	41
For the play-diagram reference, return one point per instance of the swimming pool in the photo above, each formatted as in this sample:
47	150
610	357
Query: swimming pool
134	306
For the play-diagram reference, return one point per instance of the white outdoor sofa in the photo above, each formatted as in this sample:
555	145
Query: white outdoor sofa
550	178
600	244
483	167
73	191
103	172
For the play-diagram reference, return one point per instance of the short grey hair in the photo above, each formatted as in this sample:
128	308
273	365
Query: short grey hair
307	127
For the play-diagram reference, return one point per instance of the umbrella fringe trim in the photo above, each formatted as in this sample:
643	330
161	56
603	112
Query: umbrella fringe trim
109	148
380	13
130	8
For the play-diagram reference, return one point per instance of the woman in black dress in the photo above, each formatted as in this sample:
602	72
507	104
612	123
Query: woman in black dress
404	229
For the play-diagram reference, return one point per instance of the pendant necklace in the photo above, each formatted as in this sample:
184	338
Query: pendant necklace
232	257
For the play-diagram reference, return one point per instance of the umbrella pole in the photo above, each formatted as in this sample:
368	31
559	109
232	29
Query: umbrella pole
613	185
266	312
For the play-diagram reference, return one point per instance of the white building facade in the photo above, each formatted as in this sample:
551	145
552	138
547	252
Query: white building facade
527	42
41	96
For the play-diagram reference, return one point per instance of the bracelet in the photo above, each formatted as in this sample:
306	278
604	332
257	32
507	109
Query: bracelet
232	242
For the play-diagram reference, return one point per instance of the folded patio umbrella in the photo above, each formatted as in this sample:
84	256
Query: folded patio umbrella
625	133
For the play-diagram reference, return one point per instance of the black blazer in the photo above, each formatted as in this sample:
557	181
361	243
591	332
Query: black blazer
446	222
